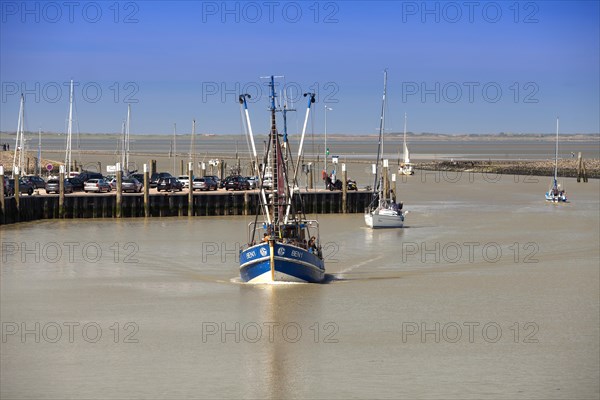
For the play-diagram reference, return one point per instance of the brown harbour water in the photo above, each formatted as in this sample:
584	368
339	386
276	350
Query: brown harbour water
487	293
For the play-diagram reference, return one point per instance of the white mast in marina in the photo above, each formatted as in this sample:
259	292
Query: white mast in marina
20	140
69	134
125	147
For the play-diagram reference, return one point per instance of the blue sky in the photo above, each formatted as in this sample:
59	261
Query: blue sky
453	68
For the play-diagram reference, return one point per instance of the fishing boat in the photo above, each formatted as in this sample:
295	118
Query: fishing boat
383	211
284	246
406	167
556	193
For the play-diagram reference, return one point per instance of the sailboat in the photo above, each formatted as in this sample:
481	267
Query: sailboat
285	246
19	160
382	212
556	193
68	148
406	167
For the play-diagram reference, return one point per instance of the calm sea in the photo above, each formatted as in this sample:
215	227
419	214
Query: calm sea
488	293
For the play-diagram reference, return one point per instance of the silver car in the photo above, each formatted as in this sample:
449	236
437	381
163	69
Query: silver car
96	185
131	185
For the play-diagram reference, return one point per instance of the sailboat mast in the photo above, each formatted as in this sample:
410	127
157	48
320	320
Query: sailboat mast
556	156
69	134
191	157
126	160
39	163
19	139
381	128
174	148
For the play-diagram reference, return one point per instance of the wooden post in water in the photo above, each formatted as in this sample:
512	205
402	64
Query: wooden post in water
17	193
310	176
146	192
246	203
191	190
395	184
2	189
344	189
152	167
386	186
119	191
61	192
581	172
182	170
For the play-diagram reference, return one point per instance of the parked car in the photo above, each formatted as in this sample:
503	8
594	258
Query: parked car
157	176
76	183
36	181
185	180
237	183
204	184
96	185
87	175
252	181
214	178
53	185
24	187
139	177
213	183
169	183
131	185
112	182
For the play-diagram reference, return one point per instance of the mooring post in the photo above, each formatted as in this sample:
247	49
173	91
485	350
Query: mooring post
246	203
344	188
152	167
395	183
119	191
581	172
191	190
17	192
310	176
2	189
146	192
61	191
386	187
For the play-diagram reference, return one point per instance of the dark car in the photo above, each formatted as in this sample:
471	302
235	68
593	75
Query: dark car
36	181
169	183
139	177
53	185
237	183
157	176
76	183
87	175
214	178
24	187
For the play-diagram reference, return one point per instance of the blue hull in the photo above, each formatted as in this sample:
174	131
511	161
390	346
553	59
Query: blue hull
291	264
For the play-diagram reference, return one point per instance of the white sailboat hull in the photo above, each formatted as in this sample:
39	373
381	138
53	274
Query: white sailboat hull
384	219
406	170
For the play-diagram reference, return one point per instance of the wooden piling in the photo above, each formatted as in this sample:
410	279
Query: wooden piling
344	189
191	190
119	205
61	192
581	172
17	193
146	192
386	185
2	206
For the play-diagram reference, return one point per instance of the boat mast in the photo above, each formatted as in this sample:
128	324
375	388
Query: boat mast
39	163
174	148
192	152
405	150
69	134
20	140
556	157
381	128
244	104
277	191
126	155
